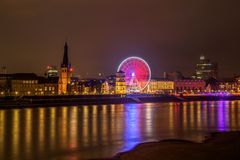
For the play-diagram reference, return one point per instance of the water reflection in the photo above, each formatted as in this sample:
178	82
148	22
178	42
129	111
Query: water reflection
41	128
15	133
2	131
28	132
52	130
96	131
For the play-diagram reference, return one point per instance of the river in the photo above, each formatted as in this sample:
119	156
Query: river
98	131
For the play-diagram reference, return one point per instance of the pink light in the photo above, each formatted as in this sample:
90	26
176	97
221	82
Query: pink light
138	68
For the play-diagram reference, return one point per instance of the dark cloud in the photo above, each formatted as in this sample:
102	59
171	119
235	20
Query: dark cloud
169	34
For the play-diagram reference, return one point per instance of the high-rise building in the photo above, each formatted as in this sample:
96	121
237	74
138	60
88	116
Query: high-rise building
65	73
206	69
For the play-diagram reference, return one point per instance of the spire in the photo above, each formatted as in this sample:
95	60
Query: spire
65	62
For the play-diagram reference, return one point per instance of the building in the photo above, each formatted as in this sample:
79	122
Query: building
231	85
49	86
111	80
205	69
120	84
5	85
24	84
237	84
91	86
51	71
65	74
189	86
163	86
212	85
105	88
27	84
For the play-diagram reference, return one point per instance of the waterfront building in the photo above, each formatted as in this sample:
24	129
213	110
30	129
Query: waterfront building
189	86
91	86
73	87
111	80
120	84
159	85
237	84
212	85
65	74
27	84
206	69
4	85
227	85
24	84
231	85
105	87
49	86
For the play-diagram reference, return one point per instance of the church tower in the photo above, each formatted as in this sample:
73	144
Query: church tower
65	73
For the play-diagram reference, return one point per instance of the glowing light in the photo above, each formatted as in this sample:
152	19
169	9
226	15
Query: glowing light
28	131
2	131
15	133
137	73
41	127
52	127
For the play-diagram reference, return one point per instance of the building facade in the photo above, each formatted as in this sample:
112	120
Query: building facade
189	86
65	74
28	84
120	84
163	86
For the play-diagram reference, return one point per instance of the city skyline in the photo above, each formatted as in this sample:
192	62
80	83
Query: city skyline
102	34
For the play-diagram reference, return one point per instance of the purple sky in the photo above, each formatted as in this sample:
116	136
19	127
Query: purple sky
170	35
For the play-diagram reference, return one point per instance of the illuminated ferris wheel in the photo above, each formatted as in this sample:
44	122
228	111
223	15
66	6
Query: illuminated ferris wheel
137	73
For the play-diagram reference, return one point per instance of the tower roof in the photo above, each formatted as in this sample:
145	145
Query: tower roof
65	62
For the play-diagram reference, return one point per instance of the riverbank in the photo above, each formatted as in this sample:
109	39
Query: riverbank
35	101
221	146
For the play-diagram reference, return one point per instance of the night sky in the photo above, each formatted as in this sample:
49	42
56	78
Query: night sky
170	35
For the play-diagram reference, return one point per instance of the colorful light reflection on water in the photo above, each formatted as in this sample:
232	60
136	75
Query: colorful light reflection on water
96	131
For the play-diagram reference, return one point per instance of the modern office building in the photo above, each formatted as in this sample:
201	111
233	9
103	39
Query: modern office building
206	69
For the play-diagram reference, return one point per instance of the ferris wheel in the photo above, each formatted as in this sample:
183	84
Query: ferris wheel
137	73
